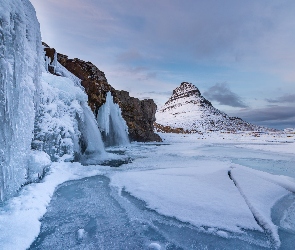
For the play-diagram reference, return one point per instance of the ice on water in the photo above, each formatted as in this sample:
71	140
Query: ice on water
111	123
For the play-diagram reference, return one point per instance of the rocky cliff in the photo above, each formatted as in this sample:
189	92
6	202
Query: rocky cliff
138	114
188	111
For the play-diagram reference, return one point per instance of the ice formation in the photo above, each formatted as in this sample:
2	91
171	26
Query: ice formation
20	73
111	123
39	111
65	126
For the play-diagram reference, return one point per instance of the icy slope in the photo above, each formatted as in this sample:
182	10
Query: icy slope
189	110
20	71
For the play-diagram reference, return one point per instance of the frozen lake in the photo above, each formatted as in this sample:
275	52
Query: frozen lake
188	192
161	201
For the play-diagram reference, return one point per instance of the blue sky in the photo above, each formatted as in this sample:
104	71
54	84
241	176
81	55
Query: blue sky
240	54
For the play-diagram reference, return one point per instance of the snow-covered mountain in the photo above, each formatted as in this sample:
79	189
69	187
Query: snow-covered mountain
188	111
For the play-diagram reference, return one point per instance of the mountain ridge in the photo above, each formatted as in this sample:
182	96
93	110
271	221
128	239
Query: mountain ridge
188	111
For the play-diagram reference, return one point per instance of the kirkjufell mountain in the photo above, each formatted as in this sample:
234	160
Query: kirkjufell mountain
188	111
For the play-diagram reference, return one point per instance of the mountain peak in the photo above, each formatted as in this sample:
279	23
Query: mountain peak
185	89
188	110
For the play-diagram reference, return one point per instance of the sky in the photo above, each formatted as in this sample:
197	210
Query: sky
240	54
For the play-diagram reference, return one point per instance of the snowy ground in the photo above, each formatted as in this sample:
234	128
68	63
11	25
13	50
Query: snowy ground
191	192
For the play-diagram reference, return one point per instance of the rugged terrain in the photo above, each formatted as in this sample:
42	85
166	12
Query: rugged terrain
187	111
138	114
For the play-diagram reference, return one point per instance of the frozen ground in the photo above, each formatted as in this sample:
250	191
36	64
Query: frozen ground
210	191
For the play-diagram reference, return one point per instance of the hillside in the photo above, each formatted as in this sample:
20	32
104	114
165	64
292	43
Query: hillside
188	111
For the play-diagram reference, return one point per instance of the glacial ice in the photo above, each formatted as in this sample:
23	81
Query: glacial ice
111	123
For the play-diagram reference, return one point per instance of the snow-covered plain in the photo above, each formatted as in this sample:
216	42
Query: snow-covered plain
218	185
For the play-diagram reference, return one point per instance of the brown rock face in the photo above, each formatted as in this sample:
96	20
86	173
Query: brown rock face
138	114
93	80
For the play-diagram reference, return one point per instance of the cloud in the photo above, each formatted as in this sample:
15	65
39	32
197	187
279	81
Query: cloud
246	42
221	93
275	116
283	99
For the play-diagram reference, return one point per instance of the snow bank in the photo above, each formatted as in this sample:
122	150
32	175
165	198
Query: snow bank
20	70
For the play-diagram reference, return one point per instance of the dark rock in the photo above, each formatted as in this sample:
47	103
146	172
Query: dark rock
139	115
93	80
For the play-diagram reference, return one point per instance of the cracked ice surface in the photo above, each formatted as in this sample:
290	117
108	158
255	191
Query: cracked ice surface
178	194
191	182
198	195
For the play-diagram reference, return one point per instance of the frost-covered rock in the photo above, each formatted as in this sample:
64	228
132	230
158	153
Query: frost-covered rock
20	72
188	111
138	114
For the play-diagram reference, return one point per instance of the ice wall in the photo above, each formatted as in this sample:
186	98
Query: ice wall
20	70
57	121
65	127
111	123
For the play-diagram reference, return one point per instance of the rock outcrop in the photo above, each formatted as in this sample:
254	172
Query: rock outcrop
187	111
138	114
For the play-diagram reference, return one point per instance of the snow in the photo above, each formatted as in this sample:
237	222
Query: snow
189	110
187	192
286	148
260	195
184	178
20	70
64	120
155	246
19	217
39	161
111	123
223	184
187	180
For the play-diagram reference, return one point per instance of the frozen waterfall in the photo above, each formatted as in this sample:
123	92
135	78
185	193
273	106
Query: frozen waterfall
91	134
20	72
111	123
